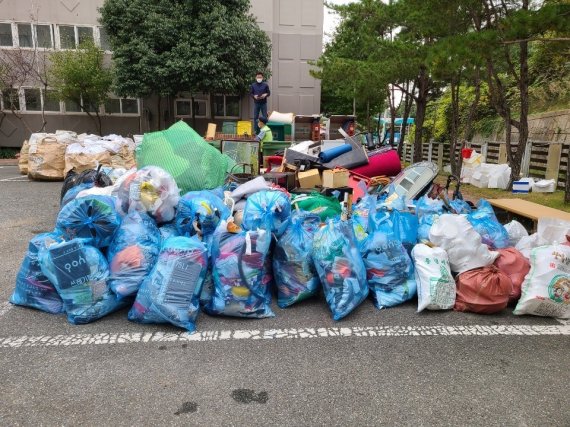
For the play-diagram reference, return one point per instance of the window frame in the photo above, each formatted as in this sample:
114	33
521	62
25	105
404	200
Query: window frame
197	98
24	110
121	113
57	35
3	107
34	26
14	34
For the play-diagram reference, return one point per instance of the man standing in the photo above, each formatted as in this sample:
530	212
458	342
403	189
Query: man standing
264	135
259	92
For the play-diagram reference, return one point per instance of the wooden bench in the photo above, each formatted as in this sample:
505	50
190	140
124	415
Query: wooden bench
530	210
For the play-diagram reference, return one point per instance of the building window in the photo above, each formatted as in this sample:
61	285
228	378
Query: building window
33	99
183	106
104	40
51	101
70	37
227	106
10	99
72	107
44	36
122	106
25	38
6	35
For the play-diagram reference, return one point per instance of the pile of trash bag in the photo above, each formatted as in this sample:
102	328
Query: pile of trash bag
200	212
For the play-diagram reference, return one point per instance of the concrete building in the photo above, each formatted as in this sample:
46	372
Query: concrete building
295	28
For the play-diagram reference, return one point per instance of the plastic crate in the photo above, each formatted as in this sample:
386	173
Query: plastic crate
244	127
229	128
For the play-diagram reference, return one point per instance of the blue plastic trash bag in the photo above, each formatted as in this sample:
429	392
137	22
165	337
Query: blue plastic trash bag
33	288
239	272
79	272
484	207
267	210
362	214
93	218
72	193
428	211
293	267
200	211
133	253
460	206
484	221
170	294
389	268
168	230
340	267
405	228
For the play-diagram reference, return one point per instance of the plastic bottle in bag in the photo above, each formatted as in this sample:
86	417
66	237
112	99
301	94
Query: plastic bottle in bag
170	294
340	267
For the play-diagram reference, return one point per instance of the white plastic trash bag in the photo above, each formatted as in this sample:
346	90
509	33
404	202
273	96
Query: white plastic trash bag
436	286
546	289
462	243
516	232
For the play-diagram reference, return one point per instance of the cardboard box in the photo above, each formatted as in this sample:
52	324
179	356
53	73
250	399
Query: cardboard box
309	179
335	178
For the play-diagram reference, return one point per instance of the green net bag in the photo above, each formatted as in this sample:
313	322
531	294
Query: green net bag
318	204
193	163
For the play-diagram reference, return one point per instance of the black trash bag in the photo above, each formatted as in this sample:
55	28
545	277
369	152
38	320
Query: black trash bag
73	179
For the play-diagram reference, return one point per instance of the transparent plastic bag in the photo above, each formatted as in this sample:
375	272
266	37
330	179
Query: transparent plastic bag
516	232
268	210
33	289
389	268
484	221
239	264
151	190
340	267
93	218
133	253
170	294
428	211
200	211
293	267
168	230
79	272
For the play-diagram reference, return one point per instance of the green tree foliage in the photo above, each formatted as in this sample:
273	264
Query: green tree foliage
80	76
163	47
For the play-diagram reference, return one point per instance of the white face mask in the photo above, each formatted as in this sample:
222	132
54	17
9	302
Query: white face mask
259	80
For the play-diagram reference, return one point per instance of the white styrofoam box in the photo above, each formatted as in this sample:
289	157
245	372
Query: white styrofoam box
480	179
544	186
499	176
521	186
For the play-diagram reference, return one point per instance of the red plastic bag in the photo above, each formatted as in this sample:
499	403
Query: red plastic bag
516	266
466	153
483	290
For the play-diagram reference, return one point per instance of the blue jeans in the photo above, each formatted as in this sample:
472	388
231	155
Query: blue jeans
258	108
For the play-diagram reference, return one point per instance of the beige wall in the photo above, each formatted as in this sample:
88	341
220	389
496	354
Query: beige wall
295	28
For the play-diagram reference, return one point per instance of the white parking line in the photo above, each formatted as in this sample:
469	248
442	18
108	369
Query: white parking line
19	178
272	334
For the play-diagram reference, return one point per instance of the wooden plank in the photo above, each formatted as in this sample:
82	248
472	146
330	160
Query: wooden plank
502	154
553	162
528	209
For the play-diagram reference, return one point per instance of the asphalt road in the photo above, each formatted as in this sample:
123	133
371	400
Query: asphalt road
390	367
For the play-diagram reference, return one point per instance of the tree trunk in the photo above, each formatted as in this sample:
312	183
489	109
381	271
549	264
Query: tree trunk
467	133
408	103
392	107
567	188
455	86
421	106
159	113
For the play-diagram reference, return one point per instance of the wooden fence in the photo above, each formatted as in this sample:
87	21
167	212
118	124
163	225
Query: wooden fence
542	159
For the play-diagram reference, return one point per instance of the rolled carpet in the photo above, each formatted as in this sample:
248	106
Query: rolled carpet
382	162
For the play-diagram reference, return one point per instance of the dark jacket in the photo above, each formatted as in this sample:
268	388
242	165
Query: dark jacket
259	89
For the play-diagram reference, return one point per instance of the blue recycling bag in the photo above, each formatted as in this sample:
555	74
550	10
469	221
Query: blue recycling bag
200	210
405	227
33	289
484	221
133	253
239	269
93	218
389	268
460	206
79	272
168	230
269	210
170	294
340	267
72	193
293	267
428	211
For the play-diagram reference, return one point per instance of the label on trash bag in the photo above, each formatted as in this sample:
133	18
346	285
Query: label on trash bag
135	191
181	283
70	265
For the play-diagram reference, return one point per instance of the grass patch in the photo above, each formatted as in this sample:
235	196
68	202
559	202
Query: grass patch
553	200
